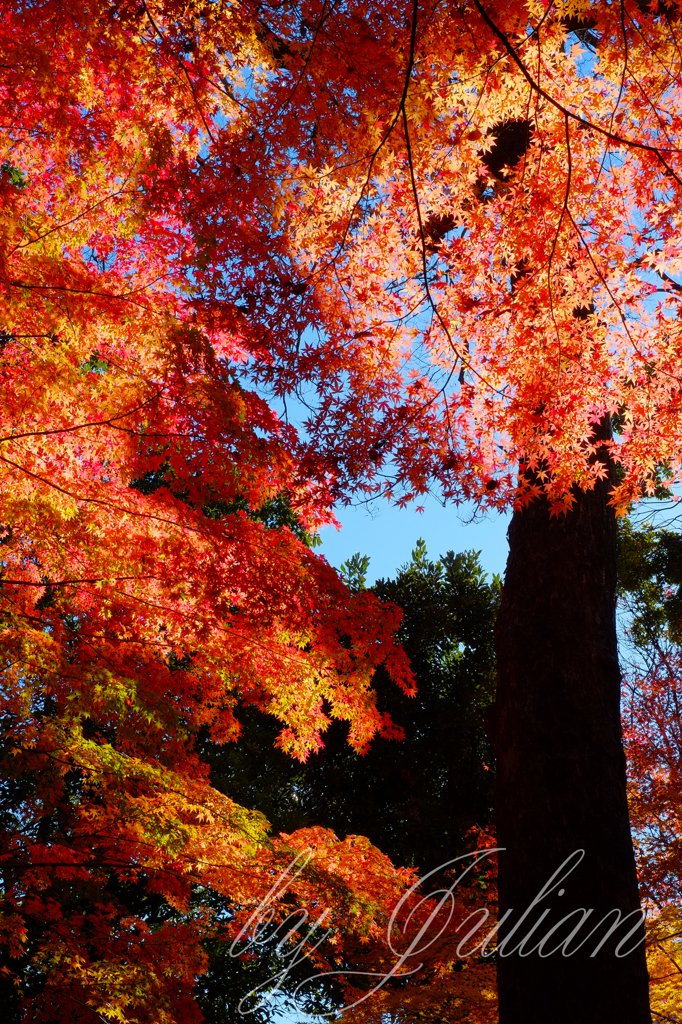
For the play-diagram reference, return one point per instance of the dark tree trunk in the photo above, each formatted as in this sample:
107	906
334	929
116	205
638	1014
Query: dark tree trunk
561	774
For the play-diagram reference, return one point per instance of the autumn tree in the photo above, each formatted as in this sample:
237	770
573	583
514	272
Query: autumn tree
447	232
155	570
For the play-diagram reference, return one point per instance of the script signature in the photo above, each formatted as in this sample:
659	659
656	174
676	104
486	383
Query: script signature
298	935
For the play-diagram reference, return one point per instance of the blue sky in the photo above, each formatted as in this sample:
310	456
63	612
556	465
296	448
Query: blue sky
388	534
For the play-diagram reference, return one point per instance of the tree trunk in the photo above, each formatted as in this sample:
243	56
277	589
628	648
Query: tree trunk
561	776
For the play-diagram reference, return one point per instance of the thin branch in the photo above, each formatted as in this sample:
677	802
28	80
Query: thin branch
612	136
186	73
89	423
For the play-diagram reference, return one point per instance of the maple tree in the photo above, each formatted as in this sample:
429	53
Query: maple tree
143	593
451	232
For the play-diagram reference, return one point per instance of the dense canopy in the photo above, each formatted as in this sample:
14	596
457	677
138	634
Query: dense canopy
257	257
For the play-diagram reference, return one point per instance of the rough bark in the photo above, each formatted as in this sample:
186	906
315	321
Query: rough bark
561	783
